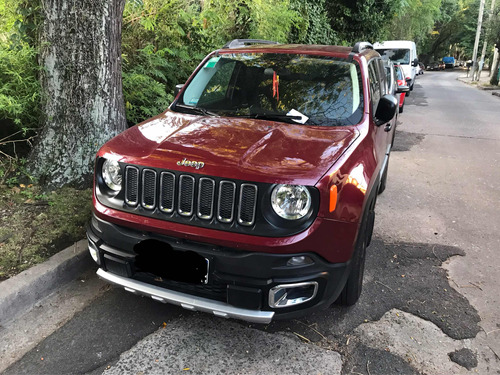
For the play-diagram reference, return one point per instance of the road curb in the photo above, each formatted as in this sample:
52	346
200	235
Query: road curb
21	292
479	85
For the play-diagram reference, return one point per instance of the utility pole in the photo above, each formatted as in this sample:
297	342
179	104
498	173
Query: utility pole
478	35
485	43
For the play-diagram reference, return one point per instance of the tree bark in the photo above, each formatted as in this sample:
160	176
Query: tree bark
80	53
494	68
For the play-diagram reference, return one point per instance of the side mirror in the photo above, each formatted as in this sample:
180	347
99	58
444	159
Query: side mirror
178	89
402	89
415	62
386	109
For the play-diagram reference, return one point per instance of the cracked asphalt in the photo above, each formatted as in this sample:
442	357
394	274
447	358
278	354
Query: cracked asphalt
430	297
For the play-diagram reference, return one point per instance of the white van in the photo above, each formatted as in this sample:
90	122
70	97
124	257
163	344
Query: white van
403	52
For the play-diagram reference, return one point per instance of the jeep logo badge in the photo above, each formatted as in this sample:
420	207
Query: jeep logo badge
191	163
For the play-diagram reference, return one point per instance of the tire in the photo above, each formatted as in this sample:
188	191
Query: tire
383	180
354	284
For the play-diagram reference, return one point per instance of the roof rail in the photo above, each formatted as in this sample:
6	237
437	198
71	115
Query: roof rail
235	43
360	46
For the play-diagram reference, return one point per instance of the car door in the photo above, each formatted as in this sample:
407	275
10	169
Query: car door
378	88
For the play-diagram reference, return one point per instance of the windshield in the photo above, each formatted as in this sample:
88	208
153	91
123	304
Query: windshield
400	55
283	87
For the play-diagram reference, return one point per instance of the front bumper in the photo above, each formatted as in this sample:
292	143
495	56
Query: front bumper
186	301
238	283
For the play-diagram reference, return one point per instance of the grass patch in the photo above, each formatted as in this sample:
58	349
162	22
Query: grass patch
36	225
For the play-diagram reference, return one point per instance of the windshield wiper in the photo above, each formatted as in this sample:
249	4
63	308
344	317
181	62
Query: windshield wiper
197	110
273	116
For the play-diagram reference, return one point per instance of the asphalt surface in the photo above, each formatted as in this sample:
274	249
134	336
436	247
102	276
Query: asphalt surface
430	298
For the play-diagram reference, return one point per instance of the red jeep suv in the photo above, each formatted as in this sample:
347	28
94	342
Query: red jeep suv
252	196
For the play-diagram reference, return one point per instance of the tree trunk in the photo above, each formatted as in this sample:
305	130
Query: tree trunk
494	69
81	85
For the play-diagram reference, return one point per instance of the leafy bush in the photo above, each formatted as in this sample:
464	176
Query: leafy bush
19	86
145	81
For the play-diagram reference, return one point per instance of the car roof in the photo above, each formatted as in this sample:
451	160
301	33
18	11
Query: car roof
308	49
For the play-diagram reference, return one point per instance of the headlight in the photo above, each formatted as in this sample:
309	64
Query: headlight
291	202
112	174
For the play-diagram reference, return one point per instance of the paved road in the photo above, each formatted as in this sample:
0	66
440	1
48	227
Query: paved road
430	301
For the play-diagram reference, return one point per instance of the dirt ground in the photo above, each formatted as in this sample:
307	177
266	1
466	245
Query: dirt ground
35	225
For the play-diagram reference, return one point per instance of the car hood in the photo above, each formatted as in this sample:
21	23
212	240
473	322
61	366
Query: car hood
237	148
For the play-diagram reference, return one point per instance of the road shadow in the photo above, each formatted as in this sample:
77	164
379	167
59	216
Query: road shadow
404	141
398	275
417	96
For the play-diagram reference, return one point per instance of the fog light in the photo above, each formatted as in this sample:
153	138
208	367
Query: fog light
286	295
299	261
93	252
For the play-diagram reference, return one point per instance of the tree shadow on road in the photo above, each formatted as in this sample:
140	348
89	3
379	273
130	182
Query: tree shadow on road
398	275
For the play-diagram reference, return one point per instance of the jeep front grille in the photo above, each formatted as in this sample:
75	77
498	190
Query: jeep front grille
205	197
148	189
131	186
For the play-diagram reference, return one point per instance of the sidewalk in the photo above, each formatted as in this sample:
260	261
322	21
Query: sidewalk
482	84
21	292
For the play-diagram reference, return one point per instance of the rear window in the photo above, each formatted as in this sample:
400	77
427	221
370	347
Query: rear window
301	89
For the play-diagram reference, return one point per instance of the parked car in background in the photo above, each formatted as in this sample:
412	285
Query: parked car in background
449	62
253	195
402	87
403	52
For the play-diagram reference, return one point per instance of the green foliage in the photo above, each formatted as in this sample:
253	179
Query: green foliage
158	53
493	27
145	81
355	20
415	20
315	27
19	86
13	171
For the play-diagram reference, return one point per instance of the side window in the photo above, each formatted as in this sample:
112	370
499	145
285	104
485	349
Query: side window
374	85
384	81
388	72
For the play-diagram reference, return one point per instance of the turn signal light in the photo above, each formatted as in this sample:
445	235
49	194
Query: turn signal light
333	198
